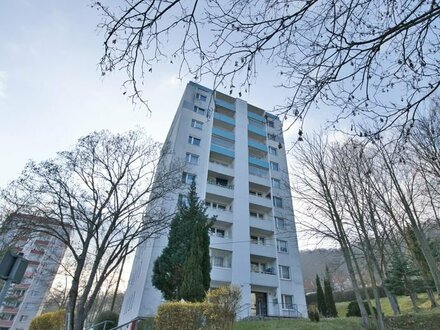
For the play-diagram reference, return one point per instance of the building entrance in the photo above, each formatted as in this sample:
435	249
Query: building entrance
259	303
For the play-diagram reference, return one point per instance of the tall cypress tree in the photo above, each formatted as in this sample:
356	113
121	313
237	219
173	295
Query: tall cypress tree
188	243
328	294
322	308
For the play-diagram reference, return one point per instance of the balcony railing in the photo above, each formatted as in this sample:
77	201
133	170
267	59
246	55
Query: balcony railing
215	183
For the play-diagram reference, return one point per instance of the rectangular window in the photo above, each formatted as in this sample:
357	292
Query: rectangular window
270	123
188	177
201	97
273	151
284	272
23	318
255	193
218	261
192	158
261	240
280	222
217	232
277	201
193	140
276	183
182	199
215	205
272	137
196	124
281	245
274	166
199	110
287	301
256	215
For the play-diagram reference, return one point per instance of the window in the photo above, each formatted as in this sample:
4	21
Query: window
274	166
218	261
276	183
287	301
284	272
23	318
281	246
258	240
199	110
217	232
280	222
256	215
215	205
196	124
272	137
273	151
201	97
193	140
188	177
270	123
221	182
277	201
192	158
255	193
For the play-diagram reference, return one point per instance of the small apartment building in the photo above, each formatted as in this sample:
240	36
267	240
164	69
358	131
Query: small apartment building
25	301
235	153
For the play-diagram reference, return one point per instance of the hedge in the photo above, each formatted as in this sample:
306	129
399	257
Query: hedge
49	321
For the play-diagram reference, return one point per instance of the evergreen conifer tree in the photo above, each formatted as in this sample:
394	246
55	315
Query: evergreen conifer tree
187	252
328	294
322	308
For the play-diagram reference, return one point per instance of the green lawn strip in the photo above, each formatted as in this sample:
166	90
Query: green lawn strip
343	323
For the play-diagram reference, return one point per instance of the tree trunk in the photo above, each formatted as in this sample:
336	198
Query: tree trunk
413	297
432	298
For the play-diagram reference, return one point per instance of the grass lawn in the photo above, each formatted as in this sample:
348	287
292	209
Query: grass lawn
342	323
404	303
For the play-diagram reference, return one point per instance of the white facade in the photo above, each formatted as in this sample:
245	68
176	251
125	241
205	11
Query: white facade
236	152
25	301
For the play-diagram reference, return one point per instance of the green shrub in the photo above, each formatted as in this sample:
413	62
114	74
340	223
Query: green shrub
222	305
49	321
353	309
106	316
180	315
313	313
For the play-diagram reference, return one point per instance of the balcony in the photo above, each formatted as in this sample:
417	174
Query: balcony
220	274
217	242
261	131
261	201
215	188
222	150
225	104
266	224
265	250
225	134
257	145
253	115
222	215
258	162
5	324
221	167
264	279
224	119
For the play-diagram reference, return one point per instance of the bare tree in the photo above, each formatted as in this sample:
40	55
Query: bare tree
97	195
372	59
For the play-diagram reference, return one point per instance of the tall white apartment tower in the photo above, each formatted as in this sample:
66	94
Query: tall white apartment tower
235	153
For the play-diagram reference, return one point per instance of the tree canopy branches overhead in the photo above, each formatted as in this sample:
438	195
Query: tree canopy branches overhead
97	194
372	59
